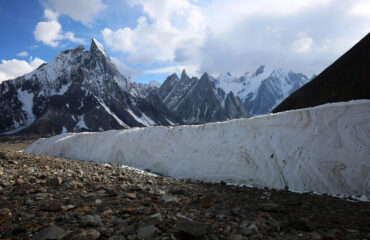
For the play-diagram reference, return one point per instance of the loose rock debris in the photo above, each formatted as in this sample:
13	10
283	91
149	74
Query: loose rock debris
44	197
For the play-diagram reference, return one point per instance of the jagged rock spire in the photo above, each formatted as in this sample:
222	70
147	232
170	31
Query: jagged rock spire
97	47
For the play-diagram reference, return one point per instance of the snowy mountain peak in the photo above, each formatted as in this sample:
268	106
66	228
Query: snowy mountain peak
78	90
184	76
259	70
97	47
205	76
173	77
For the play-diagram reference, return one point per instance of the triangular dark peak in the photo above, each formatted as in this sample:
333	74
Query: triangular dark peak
204	76
184	76
96	46
348	78
173	76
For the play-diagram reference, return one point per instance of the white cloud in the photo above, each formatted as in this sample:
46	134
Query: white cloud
50	32
169	27
79	10
361	9
23	54
192	70
302	44
238	35
13	68
71	37
50	15
124	69
242	34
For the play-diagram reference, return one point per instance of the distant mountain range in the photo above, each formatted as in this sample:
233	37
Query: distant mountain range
262	90
82	90
199	100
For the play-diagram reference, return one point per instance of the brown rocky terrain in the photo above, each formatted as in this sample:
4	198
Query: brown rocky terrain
44	197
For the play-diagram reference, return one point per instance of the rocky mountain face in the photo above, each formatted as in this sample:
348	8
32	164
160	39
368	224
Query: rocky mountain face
346	79
261	91
78	91
196	100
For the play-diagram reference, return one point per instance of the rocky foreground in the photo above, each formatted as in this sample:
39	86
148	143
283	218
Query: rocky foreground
43	197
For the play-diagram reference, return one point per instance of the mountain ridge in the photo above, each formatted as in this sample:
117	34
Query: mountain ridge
262	90
199	100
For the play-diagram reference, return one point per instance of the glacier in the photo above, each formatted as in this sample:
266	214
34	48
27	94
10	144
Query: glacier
325	149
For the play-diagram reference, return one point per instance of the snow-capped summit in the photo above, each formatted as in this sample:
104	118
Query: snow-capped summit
262	90
78	90
97	47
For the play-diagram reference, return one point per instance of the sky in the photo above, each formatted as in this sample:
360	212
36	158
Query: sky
150	39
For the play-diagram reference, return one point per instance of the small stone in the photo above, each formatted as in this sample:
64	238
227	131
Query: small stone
91	221
12	162
207	202
67	217
235	237
111	192
301	224
67	207
168	199
51	232
106	231
81	234
69	185
269	207
107	213
251	229
20	181
117	237
52	207
131	195
151	221
54	181
145	232
191	227
98	202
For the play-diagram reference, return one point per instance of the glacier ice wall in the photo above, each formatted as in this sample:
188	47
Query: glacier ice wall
325	149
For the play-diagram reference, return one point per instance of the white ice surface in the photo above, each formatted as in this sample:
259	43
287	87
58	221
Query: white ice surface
325	149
